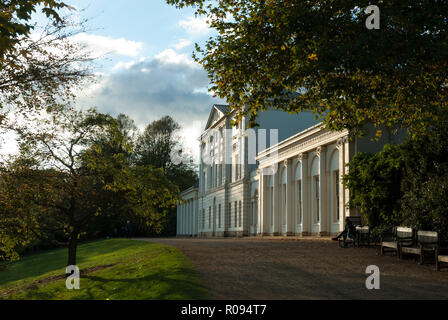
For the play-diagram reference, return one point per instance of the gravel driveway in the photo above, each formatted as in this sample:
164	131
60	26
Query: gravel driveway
307	268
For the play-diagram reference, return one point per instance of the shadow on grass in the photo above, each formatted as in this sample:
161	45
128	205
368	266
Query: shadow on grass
56	260
182	284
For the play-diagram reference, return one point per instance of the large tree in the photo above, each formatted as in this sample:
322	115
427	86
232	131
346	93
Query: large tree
318	55
77	169
40	65
155	147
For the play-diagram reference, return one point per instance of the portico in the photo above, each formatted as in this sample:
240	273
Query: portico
300	185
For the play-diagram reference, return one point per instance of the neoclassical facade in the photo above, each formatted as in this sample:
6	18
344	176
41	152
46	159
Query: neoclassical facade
287	186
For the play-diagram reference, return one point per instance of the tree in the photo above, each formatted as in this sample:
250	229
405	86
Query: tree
374	182
40	67
299	55
58	144
72	170
425	184
15	16
154	147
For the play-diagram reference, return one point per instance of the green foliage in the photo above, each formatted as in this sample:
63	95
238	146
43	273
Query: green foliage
404	185
374	184
15	16
75	178
314	55
425	201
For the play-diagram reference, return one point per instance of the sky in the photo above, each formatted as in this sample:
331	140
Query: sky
147	70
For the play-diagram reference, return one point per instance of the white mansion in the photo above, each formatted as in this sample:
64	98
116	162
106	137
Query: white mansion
271	183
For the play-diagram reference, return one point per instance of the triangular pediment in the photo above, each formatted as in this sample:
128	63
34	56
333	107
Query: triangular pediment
216	114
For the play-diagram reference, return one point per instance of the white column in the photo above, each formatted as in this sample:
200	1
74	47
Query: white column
276	228
290	226
323	190
342	170
264	205
177	218
346	169
195	204
307	215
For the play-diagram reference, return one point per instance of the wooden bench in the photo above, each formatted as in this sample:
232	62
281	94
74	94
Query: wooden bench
352	238
363	235
425	242
392	240
441	258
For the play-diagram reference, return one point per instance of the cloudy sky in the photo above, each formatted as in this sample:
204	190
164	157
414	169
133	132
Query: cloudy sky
148	71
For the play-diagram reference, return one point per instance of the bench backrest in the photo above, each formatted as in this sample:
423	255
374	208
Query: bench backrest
405	233
365	229
356	220
427	237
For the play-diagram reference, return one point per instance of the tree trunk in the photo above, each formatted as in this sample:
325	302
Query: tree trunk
73	244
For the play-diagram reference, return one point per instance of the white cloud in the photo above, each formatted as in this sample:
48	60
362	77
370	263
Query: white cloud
169	84
169	56
100	45
195	26
183	43
125	65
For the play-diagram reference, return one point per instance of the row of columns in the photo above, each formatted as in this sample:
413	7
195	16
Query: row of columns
187	218
279	217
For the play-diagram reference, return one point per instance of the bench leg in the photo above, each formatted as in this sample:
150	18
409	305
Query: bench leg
436	256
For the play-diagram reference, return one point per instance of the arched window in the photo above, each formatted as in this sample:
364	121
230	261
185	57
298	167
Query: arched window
283	195
298	193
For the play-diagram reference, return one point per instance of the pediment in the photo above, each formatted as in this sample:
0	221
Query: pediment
216	114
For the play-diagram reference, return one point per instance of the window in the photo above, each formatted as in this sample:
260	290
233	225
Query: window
236	213
203	218
239	216
209	217
251	212
219	216
317	197
336	195
230	215
299	201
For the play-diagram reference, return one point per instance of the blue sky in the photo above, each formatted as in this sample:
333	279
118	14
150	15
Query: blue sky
148	71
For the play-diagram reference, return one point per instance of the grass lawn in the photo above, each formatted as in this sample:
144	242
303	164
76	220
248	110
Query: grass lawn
113	269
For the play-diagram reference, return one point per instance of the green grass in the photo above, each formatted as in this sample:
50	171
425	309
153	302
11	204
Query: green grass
140	270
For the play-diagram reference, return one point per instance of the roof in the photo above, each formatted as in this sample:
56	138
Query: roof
221	108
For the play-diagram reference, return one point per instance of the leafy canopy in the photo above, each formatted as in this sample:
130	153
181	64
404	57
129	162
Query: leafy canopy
318	55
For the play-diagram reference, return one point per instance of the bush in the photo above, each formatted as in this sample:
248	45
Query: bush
404	184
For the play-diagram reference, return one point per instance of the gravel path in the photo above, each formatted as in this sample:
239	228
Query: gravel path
307	268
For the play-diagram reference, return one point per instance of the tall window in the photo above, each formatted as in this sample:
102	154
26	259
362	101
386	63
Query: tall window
203	219
239	216
336	195
251	212
230	215
236	213
209	217
299	201
219	216
317	197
